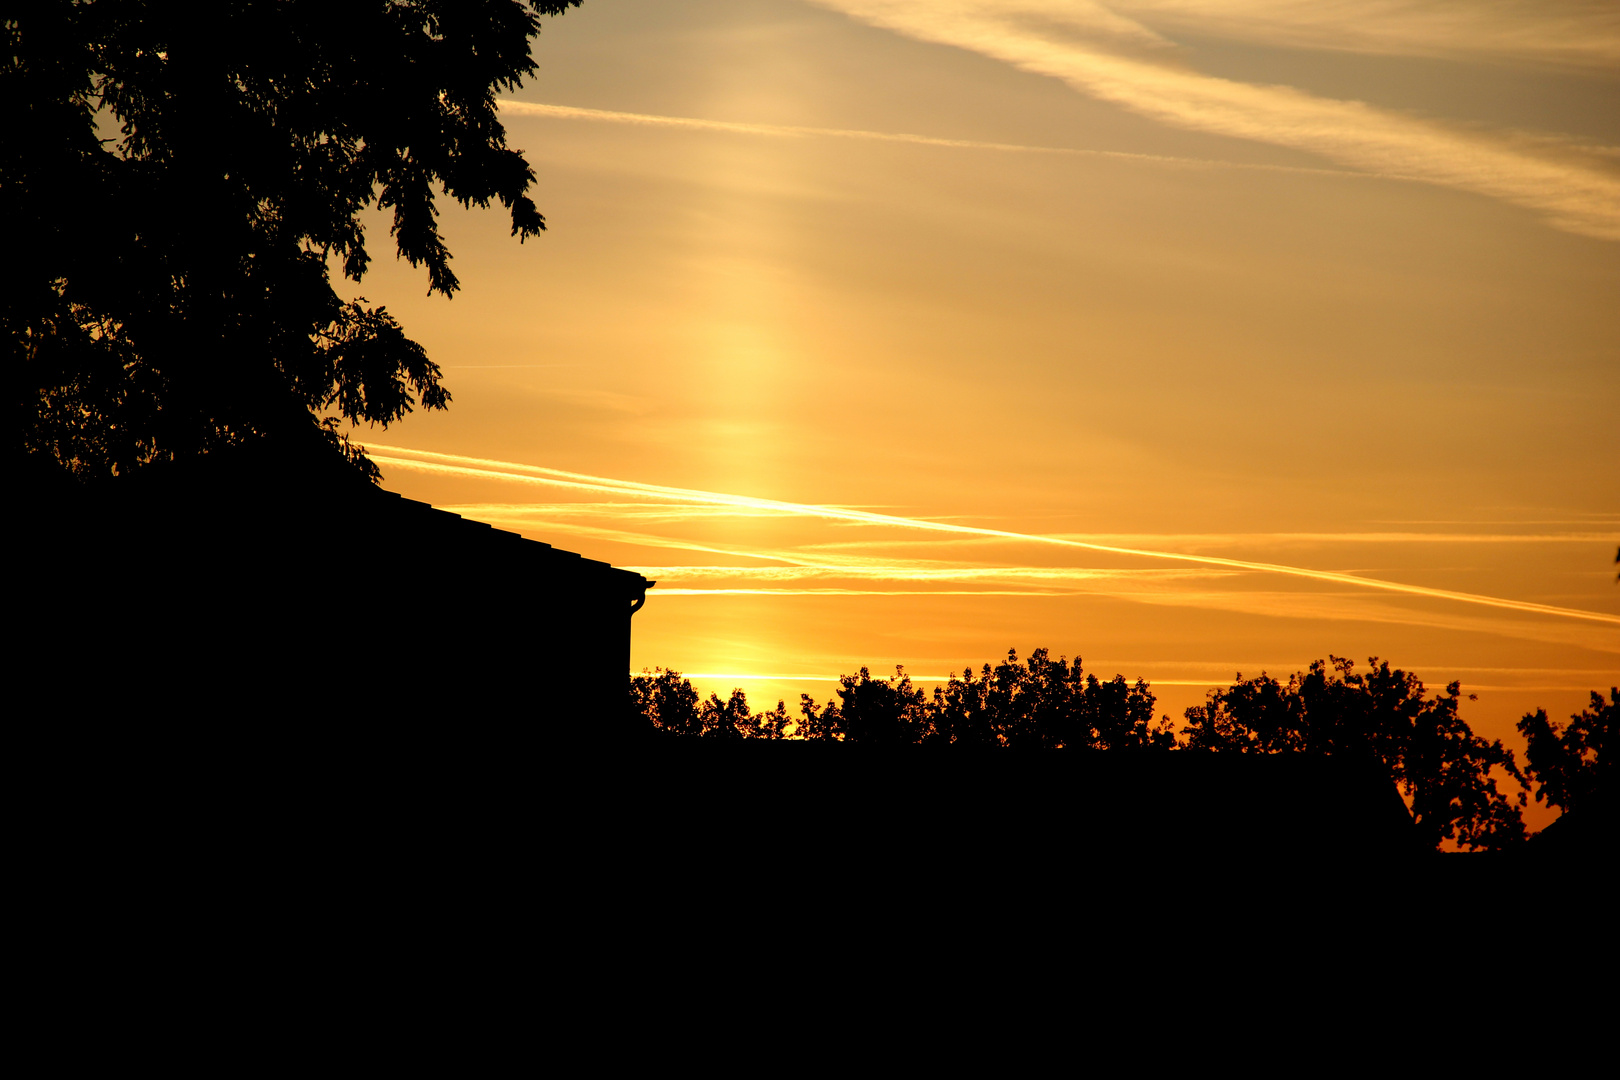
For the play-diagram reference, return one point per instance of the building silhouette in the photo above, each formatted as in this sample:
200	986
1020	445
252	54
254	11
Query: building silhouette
235	589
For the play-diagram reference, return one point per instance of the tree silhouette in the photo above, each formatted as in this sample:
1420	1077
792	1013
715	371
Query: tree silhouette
1571	763
1046	704
670	705
1442	767
1040	703
176	183
1383	716
962	713
667	702
879	712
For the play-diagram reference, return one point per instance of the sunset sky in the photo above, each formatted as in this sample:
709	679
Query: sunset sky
908	331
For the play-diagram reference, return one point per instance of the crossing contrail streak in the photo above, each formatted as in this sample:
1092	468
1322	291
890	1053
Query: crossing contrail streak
570	112
1101	54
535	474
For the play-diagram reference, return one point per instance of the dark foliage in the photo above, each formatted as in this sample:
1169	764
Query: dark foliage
670	704
881	712
1041	703
1442	767
1448	775
1569	763
177	179
1046	703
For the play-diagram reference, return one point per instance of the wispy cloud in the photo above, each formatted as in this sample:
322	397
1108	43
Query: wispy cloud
484	468
672	512
659	512
875	568
1156	588
1576	32
767	576
568	112
1082	43
1272	539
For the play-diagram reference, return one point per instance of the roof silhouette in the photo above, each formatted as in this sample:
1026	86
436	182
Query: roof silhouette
245	589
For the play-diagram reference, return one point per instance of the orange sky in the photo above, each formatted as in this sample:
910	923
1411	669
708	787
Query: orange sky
1328	286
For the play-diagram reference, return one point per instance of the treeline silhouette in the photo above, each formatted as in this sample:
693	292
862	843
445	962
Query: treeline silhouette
1448	775
1040	703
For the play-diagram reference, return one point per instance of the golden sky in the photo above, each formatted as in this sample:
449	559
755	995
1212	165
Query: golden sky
1288	286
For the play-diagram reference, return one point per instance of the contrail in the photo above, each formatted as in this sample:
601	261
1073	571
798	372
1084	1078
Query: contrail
570	112
1106	56
534	474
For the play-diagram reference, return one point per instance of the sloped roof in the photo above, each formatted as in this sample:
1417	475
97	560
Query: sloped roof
490	542
242	508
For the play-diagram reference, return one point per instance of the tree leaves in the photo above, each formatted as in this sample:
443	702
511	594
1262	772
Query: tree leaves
183	178
1449	775
1041	703
1568	762
1442	767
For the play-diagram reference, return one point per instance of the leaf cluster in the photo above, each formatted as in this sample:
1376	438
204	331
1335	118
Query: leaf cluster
178	181
671	705
1046	703
1448	774
1571	763
1040	703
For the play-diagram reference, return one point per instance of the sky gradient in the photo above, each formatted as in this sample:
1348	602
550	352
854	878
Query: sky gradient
900	332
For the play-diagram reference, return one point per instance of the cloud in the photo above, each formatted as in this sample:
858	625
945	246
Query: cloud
814	570
1314	606
766	577
488	469
1566	32
642	511
1068	41
1269	539
511	108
